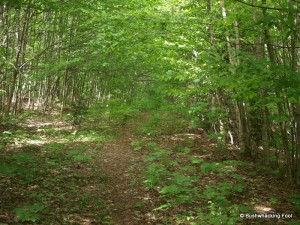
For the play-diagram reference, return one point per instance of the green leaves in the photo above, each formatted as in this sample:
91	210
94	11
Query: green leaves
158	155
29	212
171	190
196	160
296	200
180	189
212	167
21	158
82	158
155	175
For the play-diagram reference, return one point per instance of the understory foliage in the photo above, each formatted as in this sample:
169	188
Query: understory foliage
177	175
51	175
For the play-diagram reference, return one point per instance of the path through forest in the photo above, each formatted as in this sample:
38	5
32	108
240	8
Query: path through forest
123	166
77	176
59	174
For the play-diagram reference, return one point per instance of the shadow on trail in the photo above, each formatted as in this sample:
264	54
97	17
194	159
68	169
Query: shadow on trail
54	174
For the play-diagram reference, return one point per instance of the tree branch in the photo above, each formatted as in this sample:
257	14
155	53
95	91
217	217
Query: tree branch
258	6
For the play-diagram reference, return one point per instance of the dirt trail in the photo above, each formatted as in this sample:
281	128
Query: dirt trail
121	164
109	188
117	163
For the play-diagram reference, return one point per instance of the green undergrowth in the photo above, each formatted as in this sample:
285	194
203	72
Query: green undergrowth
11	131
195	190
54	182
89	135
114	114
166	120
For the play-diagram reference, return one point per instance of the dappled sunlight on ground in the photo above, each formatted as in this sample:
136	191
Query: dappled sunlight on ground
39	132
86	176
263	209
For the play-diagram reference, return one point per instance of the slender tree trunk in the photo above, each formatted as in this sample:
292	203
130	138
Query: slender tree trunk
296	106
21	46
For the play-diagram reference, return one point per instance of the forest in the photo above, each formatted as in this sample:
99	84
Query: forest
157	112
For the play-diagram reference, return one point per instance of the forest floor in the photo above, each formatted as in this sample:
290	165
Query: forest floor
54	173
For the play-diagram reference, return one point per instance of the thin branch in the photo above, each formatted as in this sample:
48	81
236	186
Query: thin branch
258	6
29	60
48	47
296	1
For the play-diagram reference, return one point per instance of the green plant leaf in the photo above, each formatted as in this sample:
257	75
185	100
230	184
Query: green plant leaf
29	212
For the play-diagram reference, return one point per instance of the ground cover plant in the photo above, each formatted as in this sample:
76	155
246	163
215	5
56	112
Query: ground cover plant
173	177
38	179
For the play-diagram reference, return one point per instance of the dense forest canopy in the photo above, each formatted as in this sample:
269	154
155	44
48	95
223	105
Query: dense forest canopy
230	67
233	63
